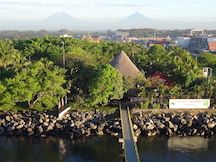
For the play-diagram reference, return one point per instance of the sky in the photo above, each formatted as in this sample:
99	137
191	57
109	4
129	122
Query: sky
182	10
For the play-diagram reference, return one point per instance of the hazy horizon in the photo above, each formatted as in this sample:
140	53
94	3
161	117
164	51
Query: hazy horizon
188	13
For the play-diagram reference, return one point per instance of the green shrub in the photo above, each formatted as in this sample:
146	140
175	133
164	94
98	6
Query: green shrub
156	106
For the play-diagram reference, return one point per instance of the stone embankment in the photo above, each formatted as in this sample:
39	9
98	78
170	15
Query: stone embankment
174	123
72	125
80	124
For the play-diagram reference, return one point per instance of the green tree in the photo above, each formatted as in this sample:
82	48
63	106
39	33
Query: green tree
208	60
39	84
105	84
6	101
7	53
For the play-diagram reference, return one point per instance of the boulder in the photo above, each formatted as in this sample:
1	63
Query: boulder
8	118
160	125
169	132
137	132
59	126
92	126
183	121
211	125
176	120
20	126
135	127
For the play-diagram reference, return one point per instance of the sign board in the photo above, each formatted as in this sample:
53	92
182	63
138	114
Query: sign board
189	103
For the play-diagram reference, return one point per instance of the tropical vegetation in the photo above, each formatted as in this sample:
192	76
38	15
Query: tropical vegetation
36	72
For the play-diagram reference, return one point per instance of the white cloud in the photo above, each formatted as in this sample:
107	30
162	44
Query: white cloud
43	3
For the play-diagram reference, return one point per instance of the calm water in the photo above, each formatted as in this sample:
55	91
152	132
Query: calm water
106	149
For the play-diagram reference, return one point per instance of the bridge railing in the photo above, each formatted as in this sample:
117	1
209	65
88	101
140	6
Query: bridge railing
134	137
131	129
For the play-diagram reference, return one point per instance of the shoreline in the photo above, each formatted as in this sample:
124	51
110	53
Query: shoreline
83	124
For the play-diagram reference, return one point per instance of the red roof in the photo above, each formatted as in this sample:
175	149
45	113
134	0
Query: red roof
159	78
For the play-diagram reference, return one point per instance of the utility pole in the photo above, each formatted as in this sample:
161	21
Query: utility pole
154	28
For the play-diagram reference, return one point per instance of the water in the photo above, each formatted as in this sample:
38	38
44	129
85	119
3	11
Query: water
106	149
177	149
23	149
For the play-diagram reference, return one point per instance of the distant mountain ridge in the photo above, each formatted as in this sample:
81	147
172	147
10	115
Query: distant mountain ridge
62	20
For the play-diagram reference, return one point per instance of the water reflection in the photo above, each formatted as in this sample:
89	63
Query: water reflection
24	149
177	149
187	144
62	148
105	149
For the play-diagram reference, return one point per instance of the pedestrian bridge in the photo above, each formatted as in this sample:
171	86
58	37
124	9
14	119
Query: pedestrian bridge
129	140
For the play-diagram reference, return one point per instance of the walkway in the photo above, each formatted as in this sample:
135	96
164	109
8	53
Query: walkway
130	147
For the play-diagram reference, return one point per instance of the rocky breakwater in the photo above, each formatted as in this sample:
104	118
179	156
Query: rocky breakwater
179	123
72	125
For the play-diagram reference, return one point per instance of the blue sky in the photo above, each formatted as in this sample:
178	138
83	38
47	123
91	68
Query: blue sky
182	10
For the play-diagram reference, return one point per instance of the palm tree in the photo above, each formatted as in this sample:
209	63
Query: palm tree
6	52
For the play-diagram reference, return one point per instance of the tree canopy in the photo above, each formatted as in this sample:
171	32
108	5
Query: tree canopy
105	84
31	71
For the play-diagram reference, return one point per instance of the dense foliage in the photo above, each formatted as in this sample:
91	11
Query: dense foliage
145	32
39	71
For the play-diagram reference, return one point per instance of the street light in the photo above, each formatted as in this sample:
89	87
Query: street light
63	62
63	53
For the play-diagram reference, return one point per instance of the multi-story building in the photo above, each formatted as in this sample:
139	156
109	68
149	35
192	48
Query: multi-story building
203	44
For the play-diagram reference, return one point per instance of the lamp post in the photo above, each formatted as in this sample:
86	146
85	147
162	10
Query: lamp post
63	62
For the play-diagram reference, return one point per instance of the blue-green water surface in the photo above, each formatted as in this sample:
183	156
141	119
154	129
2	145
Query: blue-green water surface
106	149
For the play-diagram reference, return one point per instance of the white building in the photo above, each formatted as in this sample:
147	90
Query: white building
183	41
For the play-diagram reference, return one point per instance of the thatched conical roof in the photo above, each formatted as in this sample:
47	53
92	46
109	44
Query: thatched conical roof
124	64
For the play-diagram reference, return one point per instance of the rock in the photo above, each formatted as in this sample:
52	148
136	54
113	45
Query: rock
58	126
77	123
100	133
194	132
135	127
45	124
30	131
160	125
114	134
41	121
169	124
183	121
40	129
166	119
50	127
92	126
8	118
101	127
19	126
88	132
169	132
175	128
151	133
150	126
176	120
211	125
204	127
21	122
189	123
137	132
116	123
